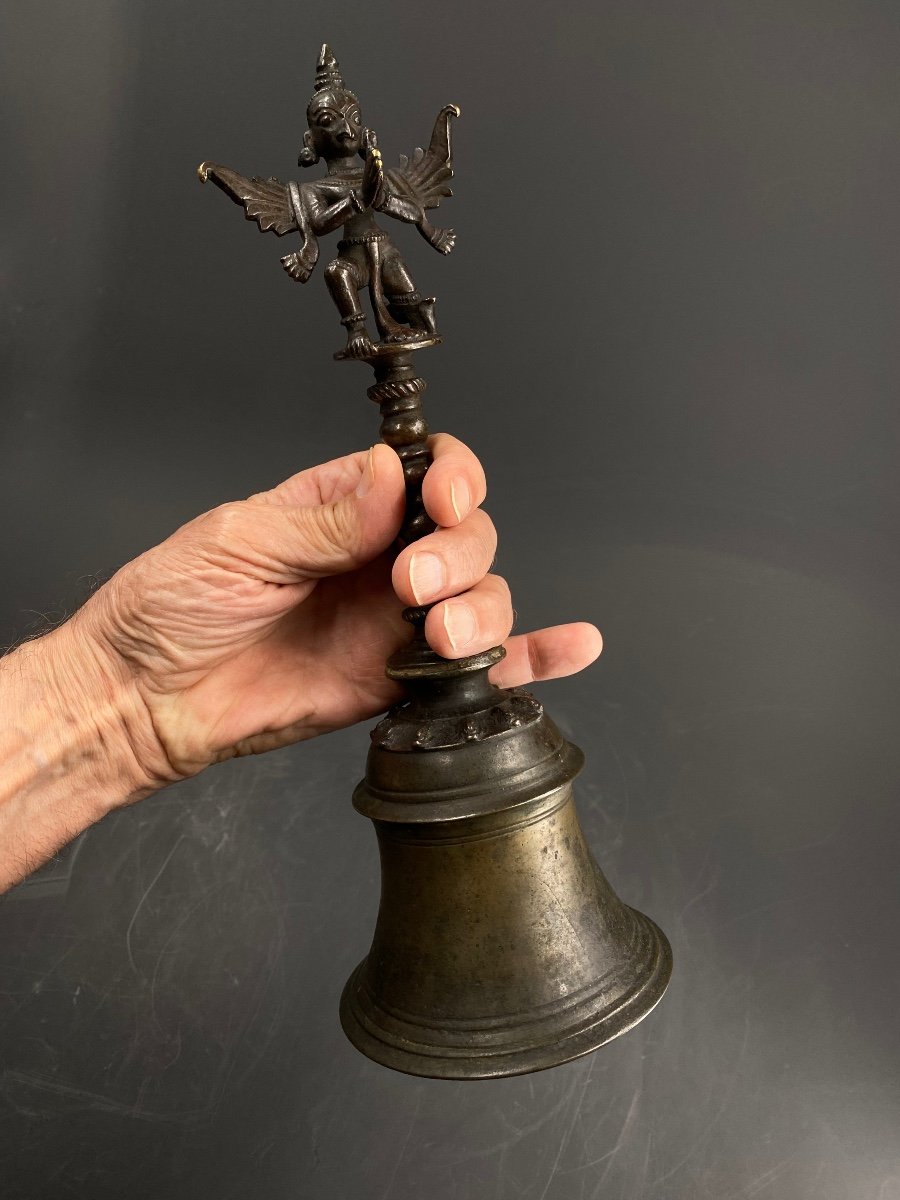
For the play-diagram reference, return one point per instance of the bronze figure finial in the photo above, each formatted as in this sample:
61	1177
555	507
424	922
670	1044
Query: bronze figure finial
349	196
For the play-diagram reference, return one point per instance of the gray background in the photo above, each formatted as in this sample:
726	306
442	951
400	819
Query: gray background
671	334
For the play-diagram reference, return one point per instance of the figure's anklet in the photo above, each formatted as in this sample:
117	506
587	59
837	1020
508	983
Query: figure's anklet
406	298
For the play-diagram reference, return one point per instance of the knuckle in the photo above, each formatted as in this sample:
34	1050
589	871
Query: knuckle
535	657
332	531
223	525
499	603
475	547
487	533
500	586
506	626
445	444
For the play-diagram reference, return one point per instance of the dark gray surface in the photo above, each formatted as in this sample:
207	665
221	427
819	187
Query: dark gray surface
696	357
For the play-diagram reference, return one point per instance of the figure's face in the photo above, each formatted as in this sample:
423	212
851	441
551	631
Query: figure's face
335	124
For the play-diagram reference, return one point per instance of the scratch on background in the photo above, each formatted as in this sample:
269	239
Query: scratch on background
610	1155
143	899
567	1132
400	1156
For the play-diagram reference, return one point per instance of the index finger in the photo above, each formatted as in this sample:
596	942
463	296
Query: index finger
454	484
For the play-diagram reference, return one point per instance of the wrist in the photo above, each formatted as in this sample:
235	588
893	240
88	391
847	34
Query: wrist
65	754
93	688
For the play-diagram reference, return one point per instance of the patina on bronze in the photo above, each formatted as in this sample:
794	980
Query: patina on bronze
499	948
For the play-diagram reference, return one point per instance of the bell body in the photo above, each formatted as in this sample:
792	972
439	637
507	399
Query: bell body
500	948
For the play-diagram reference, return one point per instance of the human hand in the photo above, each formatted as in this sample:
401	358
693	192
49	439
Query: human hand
269	620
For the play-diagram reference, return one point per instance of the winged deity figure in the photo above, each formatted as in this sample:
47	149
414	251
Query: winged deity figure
350	195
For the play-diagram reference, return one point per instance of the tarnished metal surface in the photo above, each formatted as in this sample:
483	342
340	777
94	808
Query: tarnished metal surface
500	948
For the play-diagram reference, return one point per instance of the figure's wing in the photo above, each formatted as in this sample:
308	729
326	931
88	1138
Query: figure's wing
265	201
424	177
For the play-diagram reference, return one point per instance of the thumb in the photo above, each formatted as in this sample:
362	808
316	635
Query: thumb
291	543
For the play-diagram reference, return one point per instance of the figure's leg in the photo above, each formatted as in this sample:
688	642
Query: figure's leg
344	283
405	303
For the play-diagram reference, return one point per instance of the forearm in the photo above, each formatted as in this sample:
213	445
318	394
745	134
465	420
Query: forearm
326	219
402	210
65	753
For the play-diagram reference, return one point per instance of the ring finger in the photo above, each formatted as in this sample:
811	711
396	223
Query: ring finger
446	562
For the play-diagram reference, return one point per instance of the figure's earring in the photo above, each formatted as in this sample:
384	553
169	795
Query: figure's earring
307	156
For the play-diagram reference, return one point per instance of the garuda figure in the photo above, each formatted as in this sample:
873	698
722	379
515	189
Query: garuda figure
350	195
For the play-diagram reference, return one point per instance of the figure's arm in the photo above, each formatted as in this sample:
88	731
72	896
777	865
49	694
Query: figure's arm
441	239
403	210
372	193
377	191
422	181
325	217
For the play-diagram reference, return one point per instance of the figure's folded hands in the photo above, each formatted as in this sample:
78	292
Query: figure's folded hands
372	187
269	620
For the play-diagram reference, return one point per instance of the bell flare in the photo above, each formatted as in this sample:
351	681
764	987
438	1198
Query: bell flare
500	948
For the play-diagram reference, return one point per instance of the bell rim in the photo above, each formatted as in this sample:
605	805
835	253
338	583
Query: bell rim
629	1009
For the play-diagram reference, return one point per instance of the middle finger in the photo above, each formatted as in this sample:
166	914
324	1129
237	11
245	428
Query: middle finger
446	562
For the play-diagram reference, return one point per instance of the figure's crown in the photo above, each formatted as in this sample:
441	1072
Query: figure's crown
328	73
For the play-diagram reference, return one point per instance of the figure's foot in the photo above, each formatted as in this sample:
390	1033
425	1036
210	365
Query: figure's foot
426	315
413	314
404	335
387	347
359	345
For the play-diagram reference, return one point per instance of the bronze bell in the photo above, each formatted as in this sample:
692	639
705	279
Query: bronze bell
500	948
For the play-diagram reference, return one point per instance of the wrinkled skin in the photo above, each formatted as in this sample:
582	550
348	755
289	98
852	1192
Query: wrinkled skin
269	620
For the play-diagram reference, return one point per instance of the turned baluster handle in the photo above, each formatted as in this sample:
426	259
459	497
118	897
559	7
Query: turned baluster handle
398	394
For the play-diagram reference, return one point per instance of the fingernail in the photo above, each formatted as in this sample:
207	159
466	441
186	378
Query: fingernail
426	576
460	498
367	479
459	622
